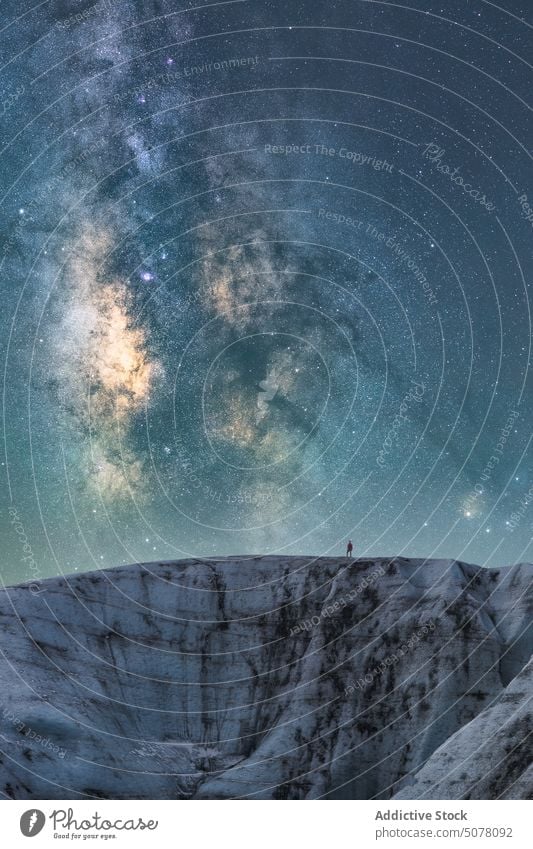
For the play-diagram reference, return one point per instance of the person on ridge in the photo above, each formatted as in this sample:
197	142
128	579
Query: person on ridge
349	549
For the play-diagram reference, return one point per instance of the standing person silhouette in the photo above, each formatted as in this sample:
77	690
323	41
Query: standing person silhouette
349	549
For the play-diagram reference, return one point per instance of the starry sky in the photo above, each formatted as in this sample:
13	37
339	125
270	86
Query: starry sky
265	273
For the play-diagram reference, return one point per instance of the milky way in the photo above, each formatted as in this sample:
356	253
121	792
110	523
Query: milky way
265	278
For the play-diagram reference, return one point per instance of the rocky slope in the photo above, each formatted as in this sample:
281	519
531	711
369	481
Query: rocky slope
490	758
269	677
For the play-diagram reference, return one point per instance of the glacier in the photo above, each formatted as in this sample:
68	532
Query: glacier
269	677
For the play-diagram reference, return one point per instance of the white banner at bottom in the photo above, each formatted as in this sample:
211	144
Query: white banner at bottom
274	825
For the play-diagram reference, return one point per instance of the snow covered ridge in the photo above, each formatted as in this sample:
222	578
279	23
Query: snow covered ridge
411	679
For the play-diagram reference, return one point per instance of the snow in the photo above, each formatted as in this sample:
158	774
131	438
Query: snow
267	677
490	758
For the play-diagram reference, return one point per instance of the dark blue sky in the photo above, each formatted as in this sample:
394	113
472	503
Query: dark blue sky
265	276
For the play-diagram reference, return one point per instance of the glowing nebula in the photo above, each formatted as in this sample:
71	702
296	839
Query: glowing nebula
106	370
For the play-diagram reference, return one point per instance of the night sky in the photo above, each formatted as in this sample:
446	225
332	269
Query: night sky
265	274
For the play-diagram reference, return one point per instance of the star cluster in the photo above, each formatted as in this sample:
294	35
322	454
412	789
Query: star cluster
265	276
